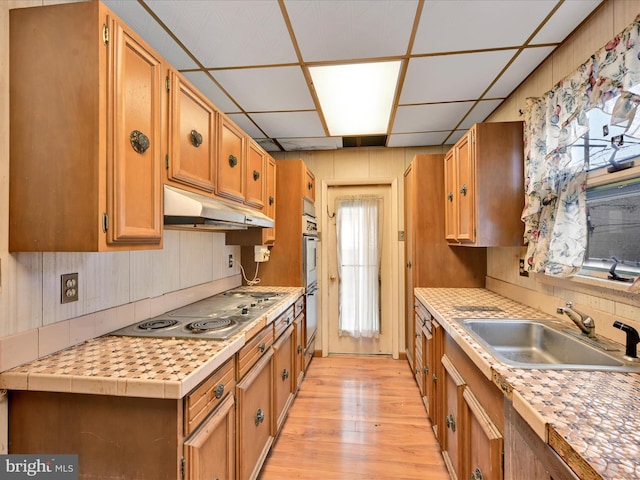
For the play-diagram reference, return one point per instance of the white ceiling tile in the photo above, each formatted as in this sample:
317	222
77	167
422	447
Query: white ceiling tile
268	144
570	14
146	26
220	99
246	125
454	25
446	78
480	112
267	89
416	139
455	136
227	33
521	67
289	124
340	30
317	143
429	118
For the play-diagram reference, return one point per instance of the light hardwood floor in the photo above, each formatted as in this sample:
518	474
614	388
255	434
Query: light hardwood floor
356	418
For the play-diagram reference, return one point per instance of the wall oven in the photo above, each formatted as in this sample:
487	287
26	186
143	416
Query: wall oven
310	271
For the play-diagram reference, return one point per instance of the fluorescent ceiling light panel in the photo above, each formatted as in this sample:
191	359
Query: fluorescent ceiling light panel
356	99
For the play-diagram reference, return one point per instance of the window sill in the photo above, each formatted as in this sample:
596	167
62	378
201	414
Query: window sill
594	285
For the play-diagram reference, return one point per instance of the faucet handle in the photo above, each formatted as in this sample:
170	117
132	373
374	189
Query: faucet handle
569	304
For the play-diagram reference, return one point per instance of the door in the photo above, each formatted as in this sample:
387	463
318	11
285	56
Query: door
347	344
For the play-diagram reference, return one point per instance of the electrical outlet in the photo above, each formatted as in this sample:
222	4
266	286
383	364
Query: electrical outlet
69	288
522	270
230	261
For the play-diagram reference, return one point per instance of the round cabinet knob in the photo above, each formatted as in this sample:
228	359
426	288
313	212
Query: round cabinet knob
139	141
259	417
332	278
219	391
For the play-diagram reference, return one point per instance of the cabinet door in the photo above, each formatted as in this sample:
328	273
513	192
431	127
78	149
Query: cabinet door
427	342
269	234
419	362
283	377
299	335
134	131
254	397
436	397
484	442
192	136
231	161
452	449
465	159
254	191
451	200
210	452
309	185
408	275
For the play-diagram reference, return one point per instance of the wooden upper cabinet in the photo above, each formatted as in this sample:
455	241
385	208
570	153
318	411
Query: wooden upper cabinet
269	234
86	137
231	161
192	136
309	187
254	186
484	186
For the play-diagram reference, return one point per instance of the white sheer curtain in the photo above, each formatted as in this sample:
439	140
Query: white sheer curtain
359	252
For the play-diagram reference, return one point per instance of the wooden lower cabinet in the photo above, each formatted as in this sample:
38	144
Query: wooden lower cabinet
483	442
283	378
211	452
254	397
452	443
298	349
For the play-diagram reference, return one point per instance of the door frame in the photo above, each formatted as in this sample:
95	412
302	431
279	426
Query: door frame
397	273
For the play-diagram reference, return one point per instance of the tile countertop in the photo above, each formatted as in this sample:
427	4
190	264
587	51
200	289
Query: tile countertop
591	418
138	366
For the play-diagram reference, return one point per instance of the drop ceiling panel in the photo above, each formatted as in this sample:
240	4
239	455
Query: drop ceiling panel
454	25
448	78
339	30
145	25
317	143
429	118
228	33
267	89
479	113
203	82
289	124
246	125
416	139
521	67
565	20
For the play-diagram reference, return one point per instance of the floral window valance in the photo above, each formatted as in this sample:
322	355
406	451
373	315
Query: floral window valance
555	180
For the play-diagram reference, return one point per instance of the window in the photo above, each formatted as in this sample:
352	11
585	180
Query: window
613	198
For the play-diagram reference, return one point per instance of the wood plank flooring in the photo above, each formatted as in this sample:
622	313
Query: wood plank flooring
356	418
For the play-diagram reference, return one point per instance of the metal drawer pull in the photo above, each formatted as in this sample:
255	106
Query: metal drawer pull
463	190
196	138
219	391
285	374
233	161
259	416
256	175
299	348
450	196
450	421
426	369
477	475
262	347
139	141
271	200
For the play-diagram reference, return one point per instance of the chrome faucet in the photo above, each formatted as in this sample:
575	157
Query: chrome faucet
584	322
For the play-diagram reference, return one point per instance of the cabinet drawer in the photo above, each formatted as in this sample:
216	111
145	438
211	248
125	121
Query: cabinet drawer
207	396
423	317
253	350
298	308
282	322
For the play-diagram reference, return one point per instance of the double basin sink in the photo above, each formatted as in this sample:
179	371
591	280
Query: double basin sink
546	344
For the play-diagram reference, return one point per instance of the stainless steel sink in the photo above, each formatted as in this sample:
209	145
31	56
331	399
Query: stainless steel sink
544	345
